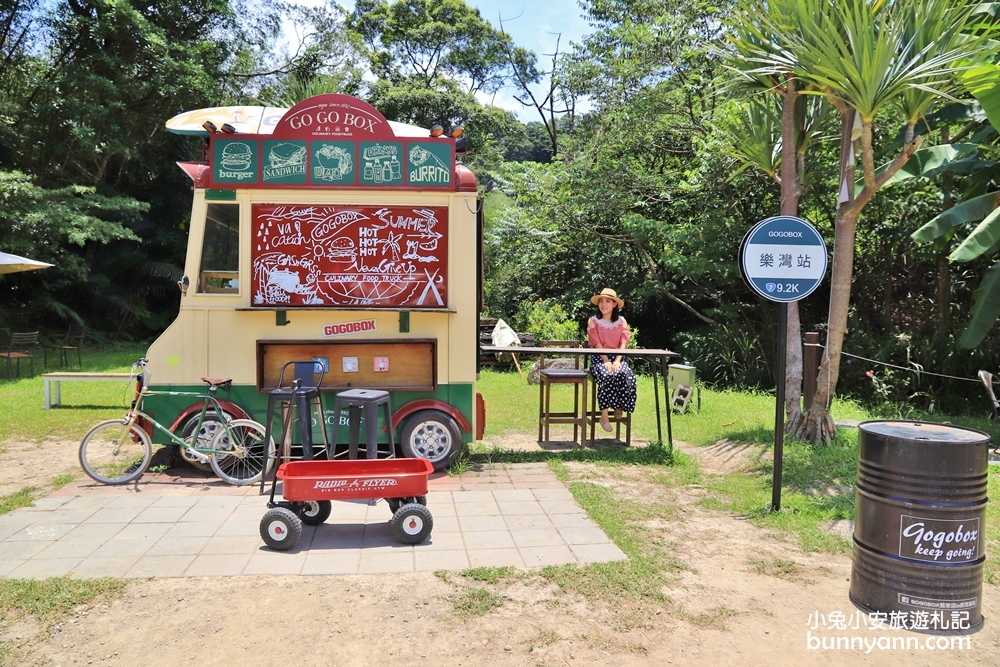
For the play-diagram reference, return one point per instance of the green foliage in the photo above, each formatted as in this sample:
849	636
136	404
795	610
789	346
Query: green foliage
726	356
970	210
547	320
986	308
430	40
89	181
39	222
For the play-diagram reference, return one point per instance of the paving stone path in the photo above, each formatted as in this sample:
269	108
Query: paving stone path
184	525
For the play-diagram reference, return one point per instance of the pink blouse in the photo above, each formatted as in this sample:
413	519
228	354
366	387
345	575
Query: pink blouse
601	333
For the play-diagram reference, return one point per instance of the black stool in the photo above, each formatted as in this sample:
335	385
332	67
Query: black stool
356	400
298	395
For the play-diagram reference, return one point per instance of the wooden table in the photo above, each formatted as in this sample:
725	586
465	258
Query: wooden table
662	357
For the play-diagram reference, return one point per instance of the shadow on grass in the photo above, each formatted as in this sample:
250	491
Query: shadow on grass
753	436
654	454
74	406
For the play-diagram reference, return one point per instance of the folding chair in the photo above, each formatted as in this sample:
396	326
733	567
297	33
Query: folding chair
72	341
22	346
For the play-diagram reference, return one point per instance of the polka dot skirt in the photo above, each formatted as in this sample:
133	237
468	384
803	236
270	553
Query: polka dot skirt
614	390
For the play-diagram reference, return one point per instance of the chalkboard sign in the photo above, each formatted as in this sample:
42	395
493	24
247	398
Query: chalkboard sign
369	256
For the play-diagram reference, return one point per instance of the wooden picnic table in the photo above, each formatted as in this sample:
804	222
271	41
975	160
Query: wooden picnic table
657	357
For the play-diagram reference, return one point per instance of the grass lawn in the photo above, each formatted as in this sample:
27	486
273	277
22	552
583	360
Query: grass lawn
22	407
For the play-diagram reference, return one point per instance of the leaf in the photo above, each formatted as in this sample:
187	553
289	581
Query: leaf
983	83
985	309
968	211
980	240
929	162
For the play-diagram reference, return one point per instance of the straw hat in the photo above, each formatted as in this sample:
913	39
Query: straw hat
609	293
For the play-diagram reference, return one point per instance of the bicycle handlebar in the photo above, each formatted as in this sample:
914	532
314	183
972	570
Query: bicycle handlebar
143	373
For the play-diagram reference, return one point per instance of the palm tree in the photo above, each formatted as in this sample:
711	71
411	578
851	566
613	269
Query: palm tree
866	57
758	145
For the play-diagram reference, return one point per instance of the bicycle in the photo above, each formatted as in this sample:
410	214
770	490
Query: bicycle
118	451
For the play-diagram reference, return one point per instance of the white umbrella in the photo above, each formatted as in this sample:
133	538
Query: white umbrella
13	263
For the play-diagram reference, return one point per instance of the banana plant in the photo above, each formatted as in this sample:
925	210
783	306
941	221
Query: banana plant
980	204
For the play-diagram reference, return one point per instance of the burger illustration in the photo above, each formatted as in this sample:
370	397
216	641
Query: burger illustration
236	156
341	250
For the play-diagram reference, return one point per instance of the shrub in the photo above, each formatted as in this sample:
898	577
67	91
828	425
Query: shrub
547	320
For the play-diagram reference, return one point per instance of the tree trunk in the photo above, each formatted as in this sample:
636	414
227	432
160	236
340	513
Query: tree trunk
790	206
818	424
793	370
943	291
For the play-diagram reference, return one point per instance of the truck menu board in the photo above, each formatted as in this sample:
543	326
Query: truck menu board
368	256
332	141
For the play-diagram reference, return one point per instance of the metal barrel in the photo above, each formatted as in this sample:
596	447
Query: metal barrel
919	522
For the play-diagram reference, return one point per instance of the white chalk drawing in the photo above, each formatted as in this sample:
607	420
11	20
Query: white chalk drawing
357	256
285	159
381	164
334	163
237	156
427	167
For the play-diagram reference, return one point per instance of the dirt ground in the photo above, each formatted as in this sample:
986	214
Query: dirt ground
719	607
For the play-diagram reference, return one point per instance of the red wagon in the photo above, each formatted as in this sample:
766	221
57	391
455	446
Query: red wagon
308	487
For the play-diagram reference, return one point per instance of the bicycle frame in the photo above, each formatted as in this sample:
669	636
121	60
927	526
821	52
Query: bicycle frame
135	413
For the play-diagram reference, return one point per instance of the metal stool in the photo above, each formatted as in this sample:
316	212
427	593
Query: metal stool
298	395
356	400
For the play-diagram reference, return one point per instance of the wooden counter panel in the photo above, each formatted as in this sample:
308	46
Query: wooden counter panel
412	363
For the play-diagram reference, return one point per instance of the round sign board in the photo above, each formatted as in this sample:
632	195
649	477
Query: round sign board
783	258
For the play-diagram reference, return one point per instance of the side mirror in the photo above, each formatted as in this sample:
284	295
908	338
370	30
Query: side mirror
183	285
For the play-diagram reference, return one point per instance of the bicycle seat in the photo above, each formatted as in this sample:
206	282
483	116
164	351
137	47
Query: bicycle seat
216	383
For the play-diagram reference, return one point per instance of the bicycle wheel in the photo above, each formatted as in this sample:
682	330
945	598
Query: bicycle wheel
112	454
245	463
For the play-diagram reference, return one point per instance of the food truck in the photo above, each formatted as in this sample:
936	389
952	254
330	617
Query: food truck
325	232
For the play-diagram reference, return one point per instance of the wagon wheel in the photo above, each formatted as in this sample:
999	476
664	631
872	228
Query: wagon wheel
280	529
315	512
412	523
396	503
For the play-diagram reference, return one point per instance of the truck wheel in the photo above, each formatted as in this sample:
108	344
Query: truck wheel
432	435
208	429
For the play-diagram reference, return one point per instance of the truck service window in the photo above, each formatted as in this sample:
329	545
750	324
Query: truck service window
220	251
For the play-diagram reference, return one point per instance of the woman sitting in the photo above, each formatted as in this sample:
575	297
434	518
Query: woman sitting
615	380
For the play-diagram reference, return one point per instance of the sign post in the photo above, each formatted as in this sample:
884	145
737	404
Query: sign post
783	259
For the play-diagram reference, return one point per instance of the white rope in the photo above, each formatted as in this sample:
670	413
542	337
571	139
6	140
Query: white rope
902	368
913	370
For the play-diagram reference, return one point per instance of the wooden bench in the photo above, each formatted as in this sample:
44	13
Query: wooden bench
53	380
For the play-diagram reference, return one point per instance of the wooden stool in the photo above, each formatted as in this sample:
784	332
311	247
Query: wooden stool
549	376
594	417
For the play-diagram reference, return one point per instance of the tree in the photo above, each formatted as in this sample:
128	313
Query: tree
780	153
430	40
866	59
